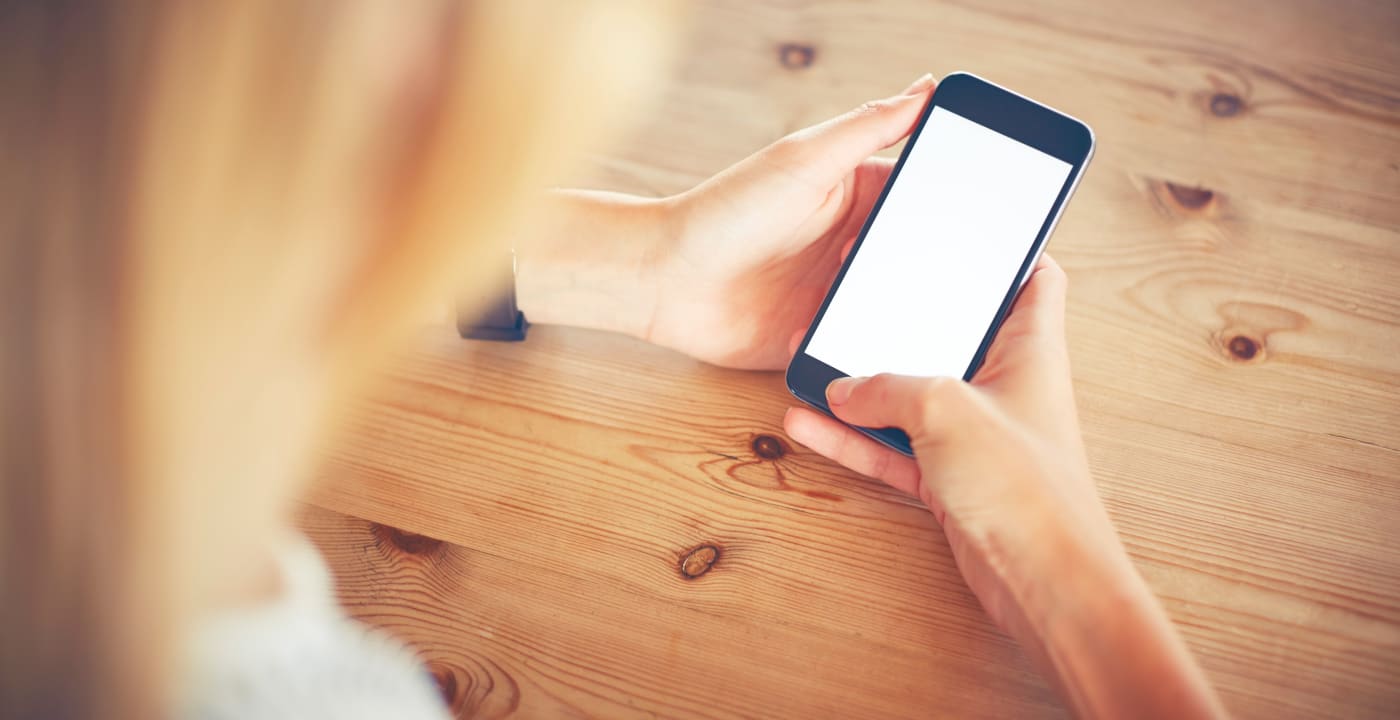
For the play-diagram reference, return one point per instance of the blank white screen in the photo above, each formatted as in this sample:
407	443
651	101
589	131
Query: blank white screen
941	253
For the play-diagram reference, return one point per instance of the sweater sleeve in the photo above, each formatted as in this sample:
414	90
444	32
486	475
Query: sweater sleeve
301	657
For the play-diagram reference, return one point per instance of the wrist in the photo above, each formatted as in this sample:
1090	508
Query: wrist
1075	568
1099	632
1045	571
591	261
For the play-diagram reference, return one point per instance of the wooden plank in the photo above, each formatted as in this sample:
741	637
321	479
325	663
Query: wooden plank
615	490
620	457
502	637
1235	329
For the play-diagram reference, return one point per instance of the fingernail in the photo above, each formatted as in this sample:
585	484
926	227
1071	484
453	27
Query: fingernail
840	389
920	86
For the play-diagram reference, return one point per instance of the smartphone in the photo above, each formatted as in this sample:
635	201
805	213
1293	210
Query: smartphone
949	243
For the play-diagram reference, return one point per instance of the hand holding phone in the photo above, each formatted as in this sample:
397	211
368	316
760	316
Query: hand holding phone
999	460
961	222
1001	463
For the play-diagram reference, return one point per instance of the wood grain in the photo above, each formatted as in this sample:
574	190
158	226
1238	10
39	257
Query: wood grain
583	525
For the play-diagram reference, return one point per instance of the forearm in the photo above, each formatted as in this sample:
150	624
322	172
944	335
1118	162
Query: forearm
588	261
1107	642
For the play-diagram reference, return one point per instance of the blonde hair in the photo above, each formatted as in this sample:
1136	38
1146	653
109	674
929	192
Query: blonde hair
217	217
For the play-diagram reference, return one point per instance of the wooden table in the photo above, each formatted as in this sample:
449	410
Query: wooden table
585	525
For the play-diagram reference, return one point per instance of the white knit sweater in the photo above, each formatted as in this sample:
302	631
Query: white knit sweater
301	657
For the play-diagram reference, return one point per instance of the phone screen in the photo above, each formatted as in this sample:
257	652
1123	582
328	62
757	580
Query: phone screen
935	265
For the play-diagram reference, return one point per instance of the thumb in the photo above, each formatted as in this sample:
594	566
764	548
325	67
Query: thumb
842	142
927	409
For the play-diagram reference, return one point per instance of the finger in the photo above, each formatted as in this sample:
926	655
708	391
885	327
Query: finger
928	409
846	249
881	401
1040	310
875	172
1030	354
837	442
870	178
1047	287
795	342
920	86
842	142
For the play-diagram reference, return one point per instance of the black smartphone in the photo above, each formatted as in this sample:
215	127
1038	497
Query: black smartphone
949	243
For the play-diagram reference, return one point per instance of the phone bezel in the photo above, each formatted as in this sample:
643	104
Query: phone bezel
1005	112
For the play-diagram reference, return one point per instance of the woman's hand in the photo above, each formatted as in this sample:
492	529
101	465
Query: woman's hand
999	461
732	271
758	245
1001	464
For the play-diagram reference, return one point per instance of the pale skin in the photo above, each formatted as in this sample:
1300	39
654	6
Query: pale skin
732	271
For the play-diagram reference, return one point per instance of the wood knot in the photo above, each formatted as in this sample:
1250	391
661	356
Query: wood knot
768	447
796	56
1188	197
446	681
1224	104
407	542
1242	347
1247	333
698	561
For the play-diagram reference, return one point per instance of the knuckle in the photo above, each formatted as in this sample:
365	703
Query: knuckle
943	391
946	403
871	107
794	139
882	385
789	148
